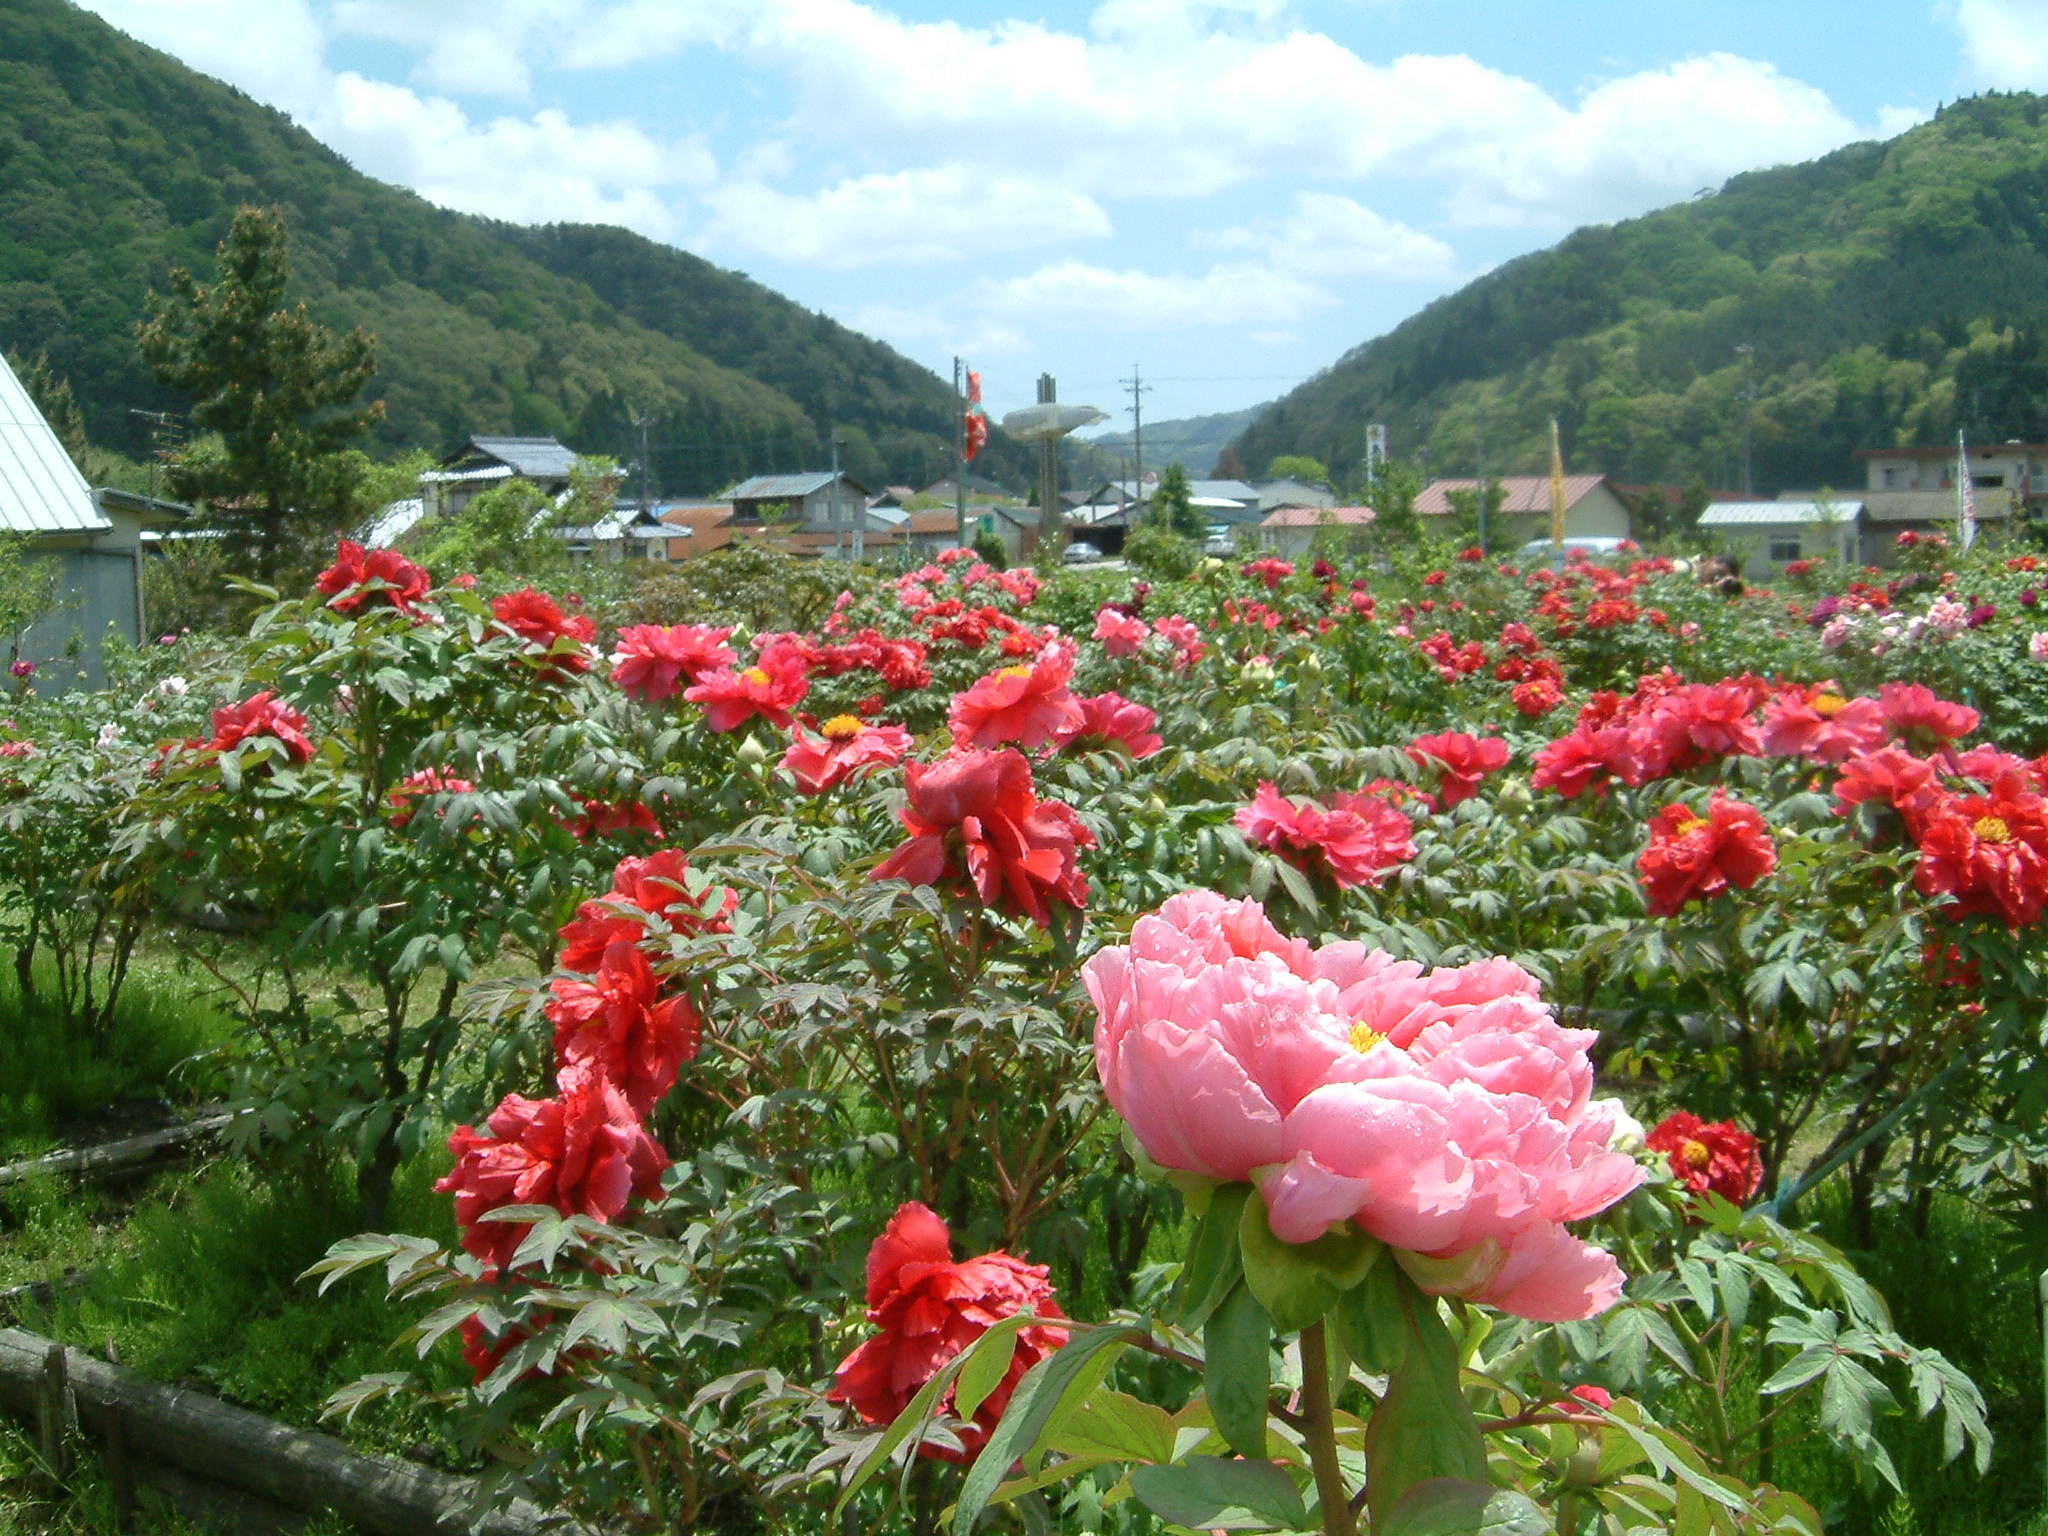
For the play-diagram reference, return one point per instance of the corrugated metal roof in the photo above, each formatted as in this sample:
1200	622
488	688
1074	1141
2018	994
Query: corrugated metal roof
1738	514
1316	517
393	523
41	490
533	458
1520	493
767	487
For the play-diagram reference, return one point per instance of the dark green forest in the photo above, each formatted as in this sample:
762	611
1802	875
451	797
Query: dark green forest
1882	295
117	163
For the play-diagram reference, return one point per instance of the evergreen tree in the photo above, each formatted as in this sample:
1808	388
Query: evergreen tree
279	390
52	396
1173	506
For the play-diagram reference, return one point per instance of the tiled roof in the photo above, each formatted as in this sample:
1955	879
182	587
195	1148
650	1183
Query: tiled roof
1315	517
41	490
1521	493
775	487
533	458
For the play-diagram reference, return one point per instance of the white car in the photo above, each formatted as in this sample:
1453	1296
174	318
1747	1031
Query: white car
1079	553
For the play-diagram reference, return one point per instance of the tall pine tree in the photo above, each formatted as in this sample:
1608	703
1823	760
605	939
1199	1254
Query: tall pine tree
280	391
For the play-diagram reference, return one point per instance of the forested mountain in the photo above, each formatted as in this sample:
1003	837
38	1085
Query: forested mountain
1193	441
118	163
1884	294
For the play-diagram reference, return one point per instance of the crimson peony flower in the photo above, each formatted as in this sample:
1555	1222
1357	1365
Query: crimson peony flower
1823	724
260	715
555	641
1029	704
1988	852
603	818
1120	634
652	662
1463	760
771	688
1692	856
929	1309
1719	1156
845	748
1271	570
347	582
1923	719
1537	697
1446	1112
978	828
1357	838
1905	782
406	794
618	1020
1109	721
1692	724
656	885
1586	759
584	1153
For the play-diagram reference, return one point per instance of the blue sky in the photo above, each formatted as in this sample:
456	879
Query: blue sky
1227	195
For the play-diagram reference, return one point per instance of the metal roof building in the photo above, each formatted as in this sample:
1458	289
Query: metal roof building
41	490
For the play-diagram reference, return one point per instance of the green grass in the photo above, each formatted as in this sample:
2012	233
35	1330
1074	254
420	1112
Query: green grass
160	1043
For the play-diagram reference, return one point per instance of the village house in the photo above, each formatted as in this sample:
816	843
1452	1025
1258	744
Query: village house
1915	488
1592	508
1292	532
1762	537
95	538
483	462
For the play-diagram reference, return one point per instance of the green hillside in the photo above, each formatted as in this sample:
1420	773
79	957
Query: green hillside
117	163
1889	293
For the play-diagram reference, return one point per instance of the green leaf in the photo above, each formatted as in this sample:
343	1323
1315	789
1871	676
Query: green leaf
1213	1264
1237	1370
1055	1383
1423	1428
980	1375
1209	1493
1449	1506
1299	1283
1114	1426
1368	1320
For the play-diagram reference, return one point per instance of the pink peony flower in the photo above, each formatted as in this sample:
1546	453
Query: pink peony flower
1822	724
845	748
1109	721
1120	634
771	688
1357	837
1028	705
653	662
1462	759
262	714
1446	1112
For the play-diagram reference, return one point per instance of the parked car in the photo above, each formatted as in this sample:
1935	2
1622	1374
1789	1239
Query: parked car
1080	553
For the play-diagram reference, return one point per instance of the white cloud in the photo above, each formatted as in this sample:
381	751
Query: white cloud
1893	121
2005	42
1074	295
1330	236
927	214
271	49
535	169
465	47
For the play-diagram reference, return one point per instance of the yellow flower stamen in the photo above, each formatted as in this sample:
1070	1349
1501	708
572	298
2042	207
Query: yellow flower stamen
1014	672
755	676
1828	705
1992	829
842	728
1697	1153
1364	1037
1689	826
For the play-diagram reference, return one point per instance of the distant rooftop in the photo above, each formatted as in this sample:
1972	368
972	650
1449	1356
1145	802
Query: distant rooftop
1520	493
41	490
531	458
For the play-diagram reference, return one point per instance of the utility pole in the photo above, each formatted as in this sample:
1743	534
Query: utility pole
1051	538
1479	465
1745	350
838	524
960	452
646	491
1138	388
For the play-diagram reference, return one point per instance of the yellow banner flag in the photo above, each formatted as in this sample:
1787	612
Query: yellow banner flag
1556	486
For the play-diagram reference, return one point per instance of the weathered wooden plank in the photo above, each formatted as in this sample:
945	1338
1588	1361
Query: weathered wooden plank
215	1440
130	1153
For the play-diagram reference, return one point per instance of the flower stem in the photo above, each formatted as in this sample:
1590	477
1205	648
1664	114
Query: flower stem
1321	1431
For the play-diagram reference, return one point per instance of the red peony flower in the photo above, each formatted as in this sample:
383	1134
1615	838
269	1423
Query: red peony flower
1462	759
1921	718
1905	782
1537	697
406	794
555	641
771	688
1719	1156
260	715
1692	724
619	1020
657	886
1357	838
348	582
1692	856
1822	724
1988	852
845	748
584	1153
978	828
929	1309
1029	704
1271	570
603	818
652	662
1109	721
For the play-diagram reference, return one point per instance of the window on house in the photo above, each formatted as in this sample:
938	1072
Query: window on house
1894	477
1784	546
1990	482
